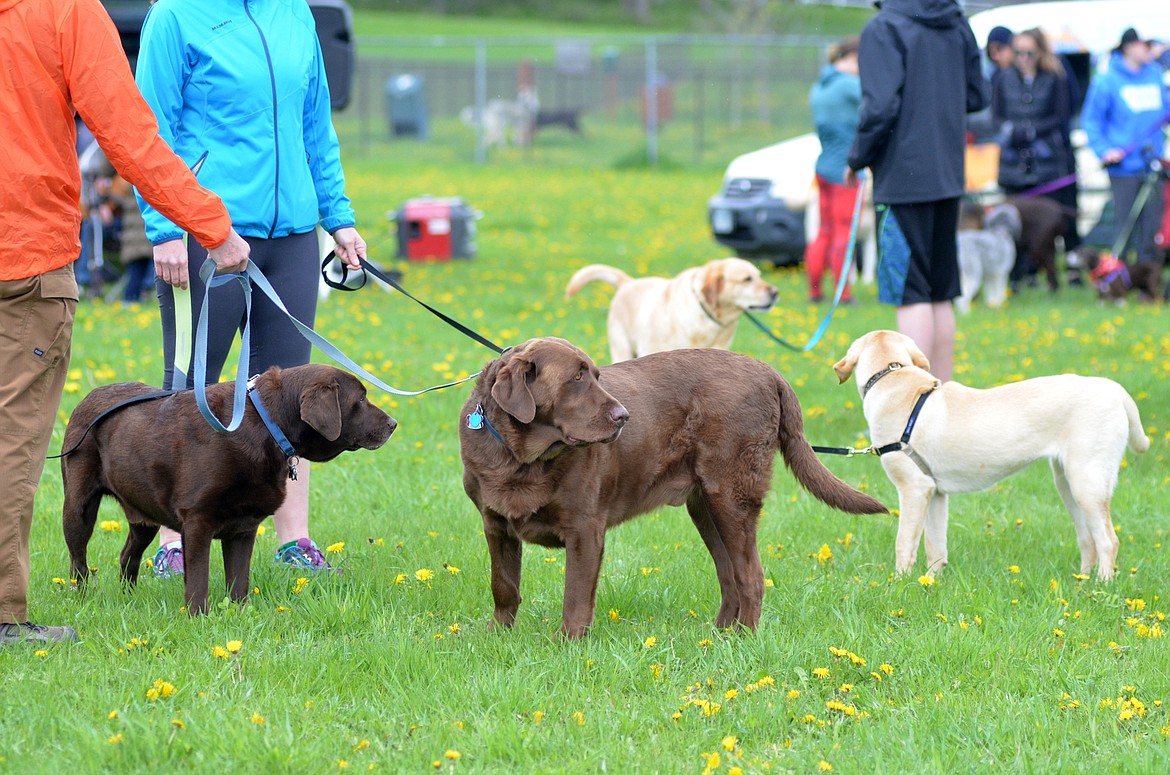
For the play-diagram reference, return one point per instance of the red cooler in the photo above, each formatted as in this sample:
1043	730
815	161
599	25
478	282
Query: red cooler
435	229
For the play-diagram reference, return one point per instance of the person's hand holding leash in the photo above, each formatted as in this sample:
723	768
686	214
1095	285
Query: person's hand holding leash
232	255
1112	156
170	262
350	246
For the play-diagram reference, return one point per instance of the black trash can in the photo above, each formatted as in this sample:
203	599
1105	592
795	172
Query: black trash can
406	106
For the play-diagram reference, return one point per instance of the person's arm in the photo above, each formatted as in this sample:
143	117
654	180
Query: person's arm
883	74
977	87
1094	118
104	95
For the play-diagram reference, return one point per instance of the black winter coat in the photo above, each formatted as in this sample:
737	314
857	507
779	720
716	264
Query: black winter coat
1031	120
920	76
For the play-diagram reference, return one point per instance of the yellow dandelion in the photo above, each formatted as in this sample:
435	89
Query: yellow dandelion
454	628
579	717
650	642
614	614
424	574
342	764
40	653
1058	632
1013	568
793	694
705	642
926	581
178	723
824	555
537	717
336	548
257	719
730	742
824	766
219	652
112	715
713	761
114	739
731	694
452	754
235	645
821	672
111	526
887	669
451	569
400	579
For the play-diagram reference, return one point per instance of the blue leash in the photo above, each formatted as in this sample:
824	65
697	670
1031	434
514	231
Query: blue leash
842	281
257	278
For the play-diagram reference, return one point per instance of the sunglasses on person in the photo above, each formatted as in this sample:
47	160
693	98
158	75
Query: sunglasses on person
1025	52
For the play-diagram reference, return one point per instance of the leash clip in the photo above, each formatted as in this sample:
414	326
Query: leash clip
293	462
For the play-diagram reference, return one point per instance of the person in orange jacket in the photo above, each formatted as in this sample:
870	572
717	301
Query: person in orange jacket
63	57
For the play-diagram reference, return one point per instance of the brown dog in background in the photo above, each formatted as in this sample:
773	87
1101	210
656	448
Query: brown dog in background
556	451
165	465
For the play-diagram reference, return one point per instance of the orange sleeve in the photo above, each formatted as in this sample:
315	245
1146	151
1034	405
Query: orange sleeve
104	94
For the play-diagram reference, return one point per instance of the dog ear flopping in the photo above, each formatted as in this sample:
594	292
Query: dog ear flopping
844	367
321	409
511	390
712	286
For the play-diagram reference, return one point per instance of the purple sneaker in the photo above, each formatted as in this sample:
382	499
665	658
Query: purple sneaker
168	561
303	554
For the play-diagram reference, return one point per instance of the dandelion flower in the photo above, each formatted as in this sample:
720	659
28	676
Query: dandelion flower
793	694
336	548
424	574
824	766
731	694
926	581
614	614
730	742
650	642
219	652
114	739
821	672
257	719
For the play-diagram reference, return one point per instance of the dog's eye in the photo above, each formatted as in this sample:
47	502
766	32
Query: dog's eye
579	377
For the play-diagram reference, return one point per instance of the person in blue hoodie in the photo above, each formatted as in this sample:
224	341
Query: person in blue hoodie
834	100
1124	117
241	84
920	77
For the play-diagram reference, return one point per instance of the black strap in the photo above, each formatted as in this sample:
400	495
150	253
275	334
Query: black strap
110	410
386	278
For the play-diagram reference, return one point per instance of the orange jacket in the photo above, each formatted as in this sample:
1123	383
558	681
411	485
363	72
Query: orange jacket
58	57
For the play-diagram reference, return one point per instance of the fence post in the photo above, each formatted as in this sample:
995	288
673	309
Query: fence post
651	101
480	98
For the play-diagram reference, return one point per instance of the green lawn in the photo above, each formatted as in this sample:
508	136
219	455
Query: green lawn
1007	662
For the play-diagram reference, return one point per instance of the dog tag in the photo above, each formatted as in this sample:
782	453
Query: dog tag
475	420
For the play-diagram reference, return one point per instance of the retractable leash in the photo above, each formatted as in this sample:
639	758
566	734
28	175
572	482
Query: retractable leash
369	268
842	281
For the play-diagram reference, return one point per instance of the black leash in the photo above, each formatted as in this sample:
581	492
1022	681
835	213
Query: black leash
110	410
901	445
369	268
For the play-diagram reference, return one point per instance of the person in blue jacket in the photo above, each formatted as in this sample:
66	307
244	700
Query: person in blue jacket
241	84
920	77
834	100
1124	116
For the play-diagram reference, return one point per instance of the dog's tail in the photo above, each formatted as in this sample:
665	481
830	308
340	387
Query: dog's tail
808	469
1138	441
595	273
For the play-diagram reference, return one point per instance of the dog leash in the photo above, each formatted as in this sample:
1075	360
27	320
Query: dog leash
369	268
842	281
901	445
253	274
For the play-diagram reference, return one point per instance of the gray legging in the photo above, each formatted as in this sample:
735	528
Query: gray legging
291	266
1125	194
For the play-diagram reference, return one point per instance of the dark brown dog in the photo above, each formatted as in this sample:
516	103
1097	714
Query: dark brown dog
165	465
1114	279
580	450
1042	220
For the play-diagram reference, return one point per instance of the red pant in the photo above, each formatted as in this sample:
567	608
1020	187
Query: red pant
832	242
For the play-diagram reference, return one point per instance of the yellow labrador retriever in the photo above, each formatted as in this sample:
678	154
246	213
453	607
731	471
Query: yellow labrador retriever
699	307
941	439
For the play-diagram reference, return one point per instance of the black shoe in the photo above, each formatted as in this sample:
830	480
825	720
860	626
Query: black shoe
35	634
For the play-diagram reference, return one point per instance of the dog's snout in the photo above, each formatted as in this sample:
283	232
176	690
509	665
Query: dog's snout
619	415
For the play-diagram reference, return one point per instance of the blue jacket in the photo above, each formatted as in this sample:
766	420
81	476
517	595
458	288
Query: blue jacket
920	77
834	99
1126	109
244	82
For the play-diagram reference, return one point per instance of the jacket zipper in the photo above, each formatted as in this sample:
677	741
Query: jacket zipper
275	133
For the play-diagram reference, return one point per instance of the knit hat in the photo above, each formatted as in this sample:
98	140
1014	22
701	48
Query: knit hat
1000	35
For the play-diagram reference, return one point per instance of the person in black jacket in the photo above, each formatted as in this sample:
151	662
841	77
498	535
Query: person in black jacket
920	76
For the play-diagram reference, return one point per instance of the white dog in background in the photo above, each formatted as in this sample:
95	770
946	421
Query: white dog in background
507	121
699	307
964	440
987	250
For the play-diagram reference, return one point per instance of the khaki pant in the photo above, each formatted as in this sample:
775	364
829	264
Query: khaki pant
36	327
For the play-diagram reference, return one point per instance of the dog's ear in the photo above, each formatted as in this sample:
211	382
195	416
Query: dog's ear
321	409
712	285
917	357
845	366
511	389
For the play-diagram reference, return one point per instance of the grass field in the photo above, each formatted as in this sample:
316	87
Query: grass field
1007	661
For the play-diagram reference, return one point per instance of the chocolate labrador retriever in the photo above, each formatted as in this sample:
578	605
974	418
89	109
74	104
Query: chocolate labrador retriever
165	465
556	451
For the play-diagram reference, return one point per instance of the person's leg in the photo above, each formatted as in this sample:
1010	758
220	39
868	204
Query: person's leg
1125	190
840	214
815	253
290	265
1149	224
924	312
36	327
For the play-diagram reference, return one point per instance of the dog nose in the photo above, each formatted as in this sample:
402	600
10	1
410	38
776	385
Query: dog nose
619	415
392	424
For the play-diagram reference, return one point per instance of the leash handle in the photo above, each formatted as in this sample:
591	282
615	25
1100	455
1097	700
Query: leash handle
842	281
369	268
212	280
